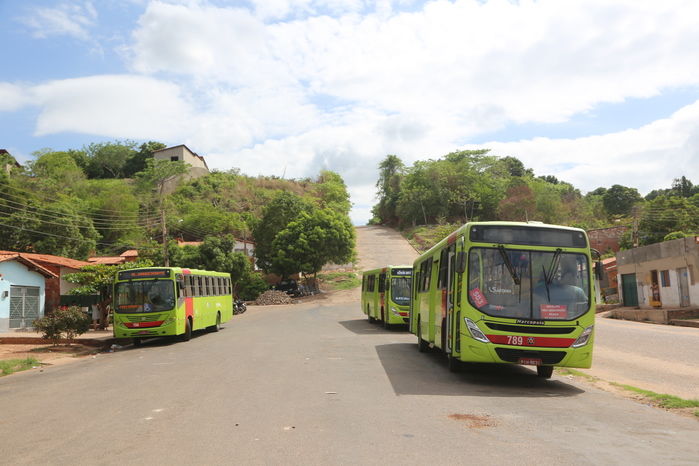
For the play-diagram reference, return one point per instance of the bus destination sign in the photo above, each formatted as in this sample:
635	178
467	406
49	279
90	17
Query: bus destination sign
402	272
144	273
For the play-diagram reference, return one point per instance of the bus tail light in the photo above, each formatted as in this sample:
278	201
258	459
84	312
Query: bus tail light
583	338
475	331
395	311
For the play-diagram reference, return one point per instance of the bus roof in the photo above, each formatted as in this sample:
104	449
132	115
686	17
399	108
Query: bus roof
466	226
181	270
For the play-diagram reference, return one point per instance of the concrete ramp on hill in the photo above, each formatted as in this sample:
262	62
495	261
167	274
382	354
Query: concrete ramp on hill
378	246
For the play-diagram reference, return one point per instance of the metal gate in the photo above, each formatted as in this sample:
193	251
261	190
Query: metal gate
629	289
684	286
24	306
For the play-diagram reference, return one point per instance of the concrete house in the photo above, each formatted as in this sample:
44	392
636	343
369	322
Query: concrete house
22	291
660	275
197	165
56	285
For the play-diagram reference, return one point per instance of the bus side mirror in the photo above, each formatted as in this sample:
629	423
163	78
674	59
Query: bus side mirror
598	270
460	262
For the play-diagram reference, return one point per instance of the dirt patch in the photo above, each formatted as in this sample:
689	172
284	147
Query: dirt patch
47	354
474	421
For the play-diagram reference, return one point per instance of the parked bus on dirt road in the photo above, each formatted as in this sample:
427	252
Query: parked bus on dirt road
169	301
386	294
507	292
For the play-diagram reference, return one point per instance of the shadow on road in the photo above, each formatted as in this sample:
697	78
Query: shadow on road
154	342
363	327
414	373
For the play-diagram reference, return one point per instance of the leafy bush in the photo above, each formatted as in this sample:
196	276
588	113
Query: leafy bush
251	286
70	321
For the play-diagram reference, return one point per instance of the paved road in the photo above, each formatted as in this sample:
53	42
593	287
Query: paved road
317	384
661	358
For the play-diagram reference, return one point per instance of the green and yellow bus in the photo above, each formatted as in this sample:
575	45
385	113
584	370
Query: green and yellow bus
507	292
386	294
169	301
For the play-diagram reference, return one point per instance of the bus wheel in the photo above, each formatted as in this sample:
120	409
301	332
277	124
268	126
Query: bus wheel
422	345
544	371
217	326
187	335
384	319
453	363
137	342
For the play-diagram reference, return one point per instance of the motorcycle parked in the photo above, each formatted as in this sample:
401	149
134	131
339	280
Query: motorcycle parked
239	306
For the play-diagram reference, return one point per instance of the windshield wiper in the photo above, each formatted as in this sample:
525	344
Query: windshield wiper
555	260
508	264
548	277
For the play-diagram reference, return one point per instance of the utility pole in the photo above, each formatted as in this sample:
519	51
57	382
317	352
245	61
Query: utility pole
166	259
161	190
634	233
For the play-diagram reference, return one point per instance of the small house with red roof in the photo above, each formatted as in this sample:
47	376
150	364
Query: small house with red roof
34	284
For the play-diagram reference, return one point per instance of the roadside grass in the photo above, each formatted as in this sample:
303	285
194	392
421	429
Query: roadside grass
423	237
10	366
660	400
340	280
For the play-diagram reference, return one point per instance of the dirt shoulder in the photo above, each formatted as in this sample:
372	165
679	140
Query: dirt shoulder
47	354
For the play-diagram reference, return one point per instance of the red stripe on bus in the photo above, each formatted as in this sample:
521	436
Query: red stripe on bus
188	307
451	239
186	271
518	340
143	324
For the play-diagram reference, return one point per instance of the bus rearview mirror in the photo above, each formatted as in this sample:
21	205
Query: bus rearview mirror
460	262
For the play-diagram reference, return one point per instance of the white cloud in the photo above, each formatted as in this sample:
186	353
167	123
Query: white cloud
12	97
115	106
69	19
293	86
646	158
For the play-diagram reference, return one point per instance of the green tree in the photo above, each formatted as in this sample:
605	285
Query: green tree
391	171
283	208
59	166
99	279
667	214
618	200
108	159
313	240
138	161
332	192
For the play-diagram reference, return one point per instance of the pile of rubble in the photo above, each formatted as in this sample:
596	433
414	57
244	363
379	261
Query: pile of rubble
273	297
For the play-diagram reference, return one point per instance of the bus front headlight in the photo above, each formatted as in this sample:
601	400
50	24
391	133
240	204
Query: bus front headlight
583	338
475	331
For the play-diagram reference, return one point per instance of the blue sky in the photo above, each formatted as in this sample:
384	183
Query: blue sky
595	92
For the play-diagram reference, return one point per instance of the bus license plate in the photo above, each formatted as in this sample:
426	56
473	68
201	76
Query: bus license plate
530	361
143	332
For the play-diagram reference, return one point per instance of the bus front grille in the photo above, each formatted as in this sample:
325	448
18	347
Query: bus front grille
148	318
515	355
529	330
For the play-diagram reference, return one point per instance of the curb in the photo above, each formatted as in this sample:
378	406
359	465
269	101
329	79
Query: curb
44	341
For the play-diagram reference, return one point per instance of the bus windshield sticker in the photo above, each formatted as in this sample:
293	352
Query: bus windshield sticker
477	297
554	311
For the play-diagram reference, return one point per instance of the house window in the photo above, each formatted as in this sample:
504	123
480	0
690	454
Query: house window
665	278
174	159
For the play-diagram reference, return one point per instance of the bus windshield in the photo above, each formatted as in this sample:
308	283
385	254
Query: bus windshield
144	296
400	290
524	284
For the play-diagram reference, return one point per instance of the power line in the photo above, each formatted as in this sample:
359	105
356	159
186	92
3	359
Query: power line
85	221
120	212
